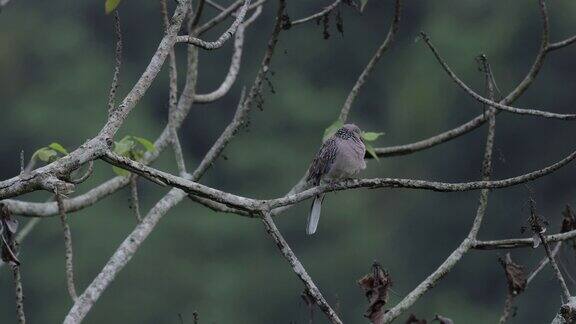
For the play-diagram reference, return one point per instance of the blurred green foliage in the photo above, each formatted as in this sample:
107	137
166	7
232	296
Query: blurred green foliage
56	62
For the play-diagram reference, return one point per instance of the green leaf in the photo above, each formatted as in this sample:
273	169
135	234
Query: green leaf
110	5
332	129
136	155
363	4
371	151
45	154
149	146
124	146
59	148
120	171
371	136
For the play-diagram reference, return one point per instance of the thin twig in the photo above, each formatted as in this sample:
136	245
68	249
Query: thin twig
508	309
521	242
561	44
479	120
226	85
227	12
543	263
298	268
118	63
317	15
173	94
373	61
85	176
69	254
565	292
20	315
223	38
521	111
134	201
197	14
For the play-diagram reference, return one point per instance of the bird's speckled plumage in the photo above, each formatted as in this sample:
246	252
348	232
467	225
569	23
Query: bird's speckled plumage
341	156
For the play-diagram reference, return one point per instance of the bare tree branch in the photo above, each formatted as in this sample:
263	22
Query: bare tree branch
521	242
118	63
131	244
561	44
543	263
223	38
20	315
467	243
225	14
553	264
232	72
480	119
298	268
483	100
69	254
134	201
373	61
172	97
317	15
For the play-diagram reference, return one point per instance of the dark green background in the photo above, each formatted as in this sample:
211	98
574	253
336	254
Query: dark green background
55	67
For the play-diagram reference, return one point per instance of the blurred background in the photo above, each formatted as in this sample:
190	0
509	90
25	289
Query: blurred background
56	62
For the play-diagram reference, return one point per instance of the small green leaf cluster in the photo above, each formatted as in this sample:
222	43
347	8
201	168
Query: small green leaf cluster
49	153
111	5
132	147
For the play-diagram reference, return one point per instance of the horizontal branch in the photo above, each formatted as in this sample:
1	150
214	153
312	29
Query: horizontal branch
249	204
184	184
520	242
561	44
317	15
418	184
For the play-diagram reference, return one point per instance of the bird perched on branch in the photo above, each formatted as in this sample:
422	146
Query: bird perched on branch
340	157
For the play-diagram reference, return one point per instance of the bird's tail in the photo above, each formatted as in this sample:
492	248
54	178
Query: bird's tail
314	216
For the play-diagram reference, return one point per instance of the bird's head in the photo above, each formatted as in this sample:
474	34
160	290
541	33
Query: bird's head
349	130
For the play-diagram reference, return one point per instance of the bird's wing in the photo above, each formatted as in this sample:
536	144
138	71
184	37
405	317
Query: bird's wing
323	161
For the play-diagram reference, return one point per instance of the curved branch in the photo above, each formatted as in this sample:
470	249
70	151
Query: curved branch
317	15
234	65
561	44
480	119
483	100
223	38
